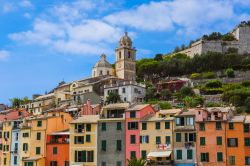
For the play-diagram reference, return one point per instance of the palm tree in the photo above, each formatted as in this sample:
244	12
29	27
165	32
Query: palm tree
137	162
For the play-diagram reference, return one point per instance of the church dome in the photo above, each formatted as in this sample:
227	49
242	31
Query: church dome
125	41
103	62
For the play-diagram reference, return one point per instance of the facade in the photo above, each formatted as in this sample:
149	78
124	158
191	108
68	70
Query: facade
111	135
125	59
185	138
129	91
15	144
102	67
57	149
83	141
246	138
241	43
133	117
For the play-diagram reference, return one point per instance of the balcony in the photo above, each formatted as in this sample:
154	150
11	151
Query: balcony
59	141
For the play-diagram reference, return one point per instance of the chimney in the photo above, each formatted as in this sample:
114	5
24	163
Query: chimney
88	106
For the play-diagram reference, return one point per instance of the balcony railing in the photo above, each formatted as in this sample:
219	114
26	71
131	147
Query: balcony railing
59	141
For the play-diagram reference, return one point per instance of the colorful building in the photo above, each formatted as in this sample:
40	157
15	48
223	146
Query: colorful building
57	148
83	141
185	138
133	117
247	139
111	135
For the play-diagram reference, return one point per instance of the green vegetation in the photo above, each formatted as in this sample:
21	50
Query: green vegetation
136	162
230	73
17	102
113	97
219	36
180	64
165	105
195	76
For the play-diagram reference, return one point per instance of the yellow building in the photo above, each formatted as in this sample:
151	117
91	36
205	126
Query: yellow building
83	141
6	142
156	139
34	134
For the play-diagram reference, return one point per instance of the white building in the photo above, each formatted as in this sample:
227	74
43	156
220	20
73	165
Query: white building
102	67
129	91
15	144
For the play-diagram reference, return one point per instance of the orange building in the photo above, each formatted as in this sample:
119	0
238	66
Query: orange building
57	149
247	140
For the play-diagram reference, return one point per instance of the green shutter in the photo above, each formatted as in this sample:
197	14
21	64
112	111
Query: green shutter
88	138
202	141
202	126
218	125
118	145
157	140
104	143
219	156
231	125
54	150
246	128
38	150
178	137
189	154
179	154
144	154
168	141
132	139
247	141
157	125
219	140
144	126
88	127
118	125
167	125
84	156
103	126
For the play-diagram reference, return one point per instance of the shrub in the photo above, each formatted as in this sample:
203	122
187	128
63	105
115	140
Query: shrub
208	75
166	94
246	83
165	105
230	73
212	91
186	91
213	104
214	84
195	76
235	100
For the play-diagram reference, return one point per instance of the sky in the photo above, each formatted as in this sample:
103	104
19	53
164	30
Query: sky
43	42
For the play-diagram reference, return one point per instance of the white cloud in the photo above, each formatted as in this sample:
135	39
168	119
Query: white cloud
4	55
26	4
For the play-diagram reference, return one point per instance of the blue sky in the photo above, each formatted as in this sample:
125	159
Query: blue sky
43	42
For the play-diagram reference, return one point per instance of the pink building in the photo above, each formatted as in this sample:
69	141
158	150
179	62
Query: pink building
133	115
90	109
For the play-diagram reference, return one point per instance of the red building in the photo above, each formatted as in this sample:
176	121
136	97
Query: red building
57	149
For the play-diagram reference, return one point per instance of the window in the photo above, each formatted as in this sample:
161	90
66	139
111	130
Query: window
88	138
219	140
88	127
84	156
38	136
103	163
132	114
54	150
204	157
232	160
119	145
29	163
118	163
157	140
25	147
246	128
118	126
202	126
66	163
190	121
247	160
190	154
53	163
132	125
103	126
218	125
39	123
132	154
167	125
79	128
144	139
123	90
5	161
157	125
132	139
100	73
144	154
247	141
168	140
202	141
232	142
179	154
38	150
104	144
178	137
190	137
179	121
25	135
219	156
79	139
144	126
15	160
231	126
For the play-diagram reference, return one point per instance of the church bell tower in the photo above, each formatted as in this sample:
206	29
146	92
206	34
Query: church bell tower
125	59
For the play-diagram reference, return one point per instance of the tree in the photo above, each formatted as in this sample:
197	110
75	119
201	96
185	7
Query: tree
165	105
247	104
113	97
166	94
15	102
235	100
150	93
230	73
186	91
137	162
158	57
213	84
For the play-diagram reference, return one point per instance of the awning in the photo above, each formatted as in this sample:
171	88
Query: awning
160	154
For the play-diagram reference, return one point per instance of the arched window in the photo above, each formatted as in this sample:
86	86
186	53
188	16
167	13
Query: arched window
100	72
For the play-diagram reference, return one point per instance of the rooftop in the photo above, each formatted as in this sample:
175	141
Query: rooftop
137	107
86	119
117	106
